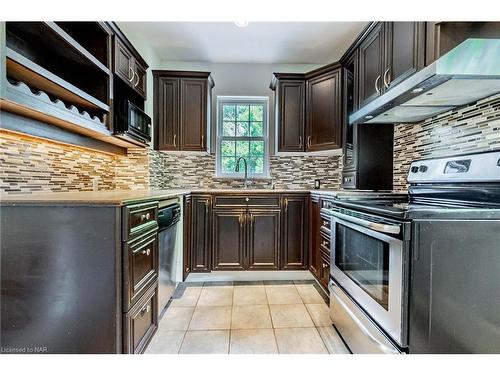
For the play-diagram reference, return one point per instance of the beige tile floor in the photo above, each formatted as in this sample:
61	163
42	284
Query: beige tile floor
261	318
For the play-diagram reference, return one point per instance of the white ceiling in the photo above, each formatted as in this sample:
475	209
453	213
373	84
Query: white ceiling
259	42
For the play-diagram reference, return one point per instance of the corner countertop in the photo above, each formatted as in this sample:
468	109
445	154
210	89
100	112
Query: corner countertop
124	197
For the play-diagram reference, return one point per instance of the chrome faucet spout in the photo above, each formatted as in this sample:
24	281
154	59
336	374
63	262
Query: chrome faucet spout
237	169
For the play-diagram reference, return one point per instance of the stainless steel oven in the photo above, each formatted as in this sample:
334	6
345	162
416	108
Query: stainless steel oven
369	269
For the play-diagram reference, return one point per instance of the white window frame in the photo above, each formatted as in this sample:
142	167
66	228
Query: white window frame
242	100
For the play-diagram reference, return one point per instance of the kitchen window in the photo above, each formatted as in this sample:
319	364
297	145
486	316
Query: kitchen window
242	131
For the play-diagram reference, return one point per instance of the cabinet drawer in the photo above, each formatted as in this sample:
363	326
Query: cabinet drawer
324	271
140	266
324	243
139	218
141	322
326	225
221	201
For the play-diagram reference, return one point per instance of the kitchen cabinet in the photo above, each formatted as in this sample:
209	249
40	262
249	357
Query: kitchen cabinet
390	53
200	233
290	111
130	67
404	51
294	237
187	222
371	65
314	234
182	102
324	270
350	104
263	228
229	230
324	110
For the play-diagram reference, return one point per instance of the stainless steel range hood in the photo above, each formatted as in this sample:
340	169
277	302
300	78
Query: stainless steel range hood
469	72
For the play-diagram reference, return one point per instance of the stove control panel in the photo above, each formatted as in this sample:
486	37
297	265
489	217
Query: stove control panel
480	167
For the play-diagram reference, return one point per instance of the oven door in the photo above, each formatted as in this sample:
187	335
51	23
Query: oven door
368	262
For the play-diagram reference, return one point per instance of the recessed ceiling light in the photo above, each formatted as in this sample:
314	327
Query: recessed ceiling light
241	23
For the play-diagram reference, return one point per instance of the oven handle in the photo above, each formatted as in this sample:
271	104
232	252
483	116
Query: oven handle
383	228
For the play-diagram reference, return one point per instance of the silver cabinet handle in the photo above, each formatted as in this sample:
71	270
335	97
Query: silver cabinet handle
308	142
133	73
324	243
143	217
376	84
300	141
326	223
147	252
175	136
247	199
148	216
387	78
135	85
383	228
145	309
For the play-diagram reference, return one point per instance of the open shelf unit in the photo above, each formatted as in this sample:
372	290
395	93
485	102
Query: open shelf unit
61	73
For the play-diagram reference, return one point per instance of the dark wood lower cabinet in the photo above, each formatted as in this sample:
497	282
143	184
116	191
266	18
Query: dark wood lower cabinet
263	239
187	222
200	232
324	270
294	245
314	234
228	239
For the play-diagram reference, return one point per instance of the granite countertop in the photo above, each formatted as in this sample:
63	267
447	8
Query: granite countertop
124	197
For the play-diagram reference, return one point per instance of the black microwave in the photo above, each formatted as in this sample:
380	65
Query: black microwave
132	121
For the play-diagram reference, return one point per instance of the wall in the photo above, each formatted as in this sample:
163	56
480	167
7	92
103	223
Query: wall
468	129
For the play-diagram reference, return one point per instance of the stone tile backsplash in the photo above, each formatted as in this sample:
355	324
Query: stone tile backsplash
32	165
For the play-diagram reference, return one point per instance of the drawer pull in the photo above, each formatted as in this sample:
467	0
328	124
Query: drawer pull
145	309
325	265
147	252
145	216
247	199
326	223
324	243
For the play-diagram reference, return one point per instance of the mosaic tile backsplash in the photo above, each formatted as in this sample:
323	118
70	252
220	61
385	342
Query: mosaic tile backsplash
465	130
32	165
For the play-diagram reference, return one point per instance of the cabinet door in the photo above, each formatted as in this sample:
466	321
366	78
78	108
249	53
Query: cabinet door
404	51
140	79
293	249
324	112
350	103
291	115
193	119
263	239
187	236
371	63
167	113
123	62
228	239
314	233
201	224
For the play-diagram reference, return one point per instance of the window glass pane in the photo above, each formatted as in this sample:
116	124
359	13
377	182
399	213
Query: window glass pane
228	128
242	129
242	113
242	148
228	148
228	164
256	129
256	165
229	112
256	148
256	113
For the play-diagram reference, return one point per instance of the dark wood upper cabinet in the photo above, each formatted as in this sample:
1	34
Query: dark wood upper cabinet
324	111
371	65
182	110
228	239
167	119
200	232
294	239
129	66
290	111
350	104
193	119
263	239
404	51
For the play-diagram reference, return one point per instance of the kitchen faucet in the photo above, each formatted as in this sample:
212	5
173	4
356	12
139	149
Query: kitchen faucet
237	169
